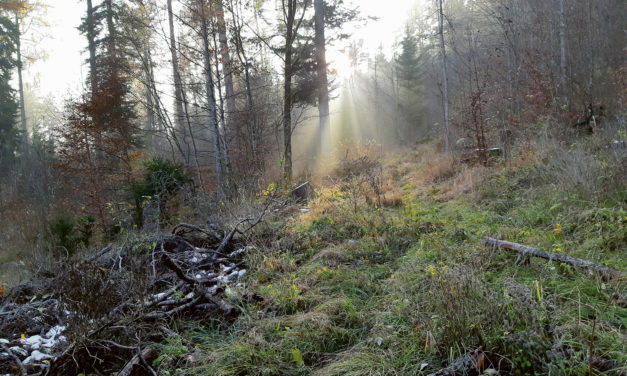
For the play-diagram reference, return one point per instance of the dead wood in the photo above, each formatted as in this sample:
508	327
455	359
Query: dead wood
535	252
182	274
148	352
17	360
101	253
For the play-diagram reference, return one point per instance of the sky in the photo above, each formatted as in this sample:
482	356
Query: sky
63	70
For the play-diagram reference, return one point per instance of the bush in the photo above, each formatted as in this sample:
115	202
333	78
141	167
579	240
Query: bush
162	179
70	233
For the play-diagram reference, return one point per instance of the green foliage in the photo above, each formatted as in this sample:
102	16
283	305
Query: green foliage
70	232
352	290
9	135
162	179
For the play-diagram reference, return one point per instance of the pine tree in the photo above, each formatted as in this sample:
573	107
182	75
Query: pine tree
9	134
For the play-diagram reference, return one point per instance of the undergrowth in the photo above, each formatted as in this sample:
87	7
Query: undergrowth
395	280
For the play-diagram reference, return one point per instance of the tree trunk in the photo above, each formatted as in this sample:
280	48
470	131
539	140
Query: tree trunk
444	78
150	110
287	92
211	100
227	66
323	84
251	118
91	44
178	87
292	25
112	34
562	33
223	123
20	83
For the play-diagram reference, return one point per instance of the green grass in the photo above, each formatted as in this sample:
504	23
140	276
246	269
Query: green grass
404	291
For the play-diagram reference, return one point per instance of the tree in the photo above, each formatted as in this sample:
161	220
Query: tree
9	135
322	80
176	75
444	76
97	140
292	22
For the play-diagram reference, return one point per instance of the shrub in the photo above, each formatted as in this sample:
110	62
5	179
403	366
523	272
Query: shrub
70	233
162	179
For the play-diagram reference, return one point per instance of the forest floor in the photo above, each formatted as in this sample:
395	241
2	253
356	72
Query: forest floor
385	272
408	288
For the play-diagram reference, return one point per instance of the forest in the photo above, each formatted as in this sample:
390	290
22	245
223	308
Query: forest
313	187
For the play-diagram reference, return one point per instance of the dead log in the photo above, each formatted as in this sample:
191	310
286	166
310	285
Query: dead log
147	353
552	256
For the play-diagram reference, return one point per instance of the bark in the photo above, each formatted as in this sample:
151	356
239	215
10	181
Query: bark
287	92
211	99
93	74
227	65
535	252
251	118
223	123
562	33
20	82
323	83
112	34
292	25
147	353
178	87
444	77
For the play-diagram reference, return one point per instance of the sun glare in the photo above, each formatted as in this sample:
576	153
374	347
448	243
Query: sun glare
339	63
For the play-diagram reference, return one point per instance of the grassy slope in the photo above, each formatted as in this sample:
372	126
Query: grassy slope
410	287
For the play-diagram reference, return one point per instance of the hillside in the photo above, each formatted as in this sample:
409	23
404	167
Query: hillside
385	272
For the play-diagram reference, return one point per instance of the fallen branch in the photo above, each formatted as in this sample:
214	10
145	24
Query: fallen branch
530	251
148	352
17	360
100	253
188	226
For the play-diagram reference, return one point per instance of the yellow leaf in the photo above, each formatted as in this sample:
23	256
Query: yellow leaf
297	357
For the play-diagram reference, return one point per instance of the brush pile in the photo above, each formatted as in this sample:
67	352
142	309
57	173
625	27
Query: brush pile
99	314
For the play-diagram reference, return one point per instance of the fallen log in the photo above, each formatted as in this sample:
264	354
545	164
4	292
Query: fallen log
535	252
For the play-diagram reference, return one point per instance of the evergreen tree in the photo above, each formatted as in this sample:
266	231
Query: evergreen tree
9	134
409	62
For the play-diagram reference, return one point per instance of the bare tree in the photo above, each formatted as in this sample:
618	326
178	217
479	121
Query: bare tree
444	77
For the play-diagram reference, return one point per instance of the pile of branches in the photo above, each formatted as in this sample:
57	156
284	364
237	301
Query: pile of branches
100	314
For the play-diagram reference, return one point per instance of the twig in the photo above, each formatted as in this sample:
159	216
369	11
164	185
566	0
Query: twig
100	253
143	361
17	360
195	228
177	269
158	315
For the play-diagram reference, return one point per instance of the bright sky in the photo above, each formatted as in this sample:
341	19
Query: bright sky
63	71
